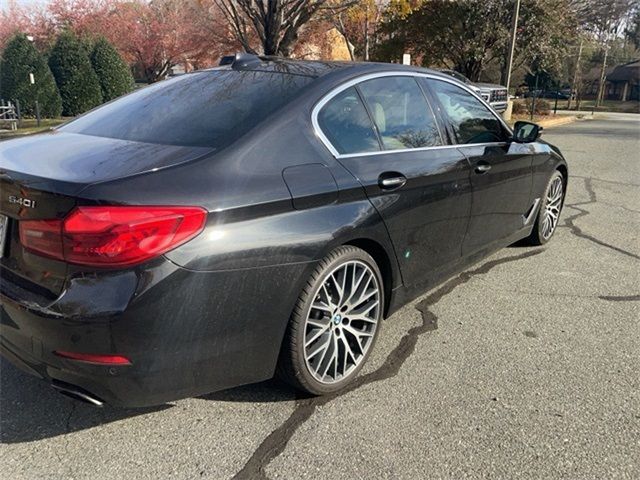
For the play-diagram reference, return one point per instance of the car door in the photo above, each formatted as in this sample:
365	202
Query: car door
501	173
386	134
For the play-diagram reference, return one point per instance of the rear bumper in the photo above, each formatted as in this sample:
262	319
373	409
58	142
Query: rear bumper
117	387
186	333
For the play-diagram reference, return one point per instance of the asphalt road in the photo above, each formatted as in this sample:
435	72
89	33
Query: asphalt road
525	366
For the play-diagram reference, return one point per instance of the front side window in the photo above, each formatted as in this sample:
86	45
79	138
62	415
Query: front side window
471	120
401	113
346	124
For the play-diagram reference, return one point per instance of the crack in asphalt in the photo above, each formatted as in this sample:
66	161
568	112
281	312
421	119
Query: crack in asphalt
577	231
275	443
72	410
614	182
620	298
67	430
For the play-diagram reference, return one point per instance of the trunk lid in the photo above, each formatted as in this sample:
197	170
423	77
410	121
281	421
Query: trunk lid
68	162
43	176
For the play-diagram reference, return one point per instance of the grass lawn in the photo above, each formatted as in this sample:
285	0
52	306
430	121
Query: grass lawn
29	126
632	106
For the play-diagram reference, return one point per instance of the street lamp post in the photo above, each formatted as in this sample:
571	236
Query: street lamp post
32	81
512	47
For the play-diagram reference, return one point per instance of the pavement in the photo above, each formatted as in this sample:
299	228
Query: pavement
526	366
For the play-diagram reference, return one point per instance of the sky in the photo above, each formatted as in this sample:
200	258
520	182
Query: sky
4	3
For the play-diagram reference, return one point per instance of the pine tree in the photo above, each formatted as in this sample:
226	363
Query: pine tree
77	82
113	73
19	59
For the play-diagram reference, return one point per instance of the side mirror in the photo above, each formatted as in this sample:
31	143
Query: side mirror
526	132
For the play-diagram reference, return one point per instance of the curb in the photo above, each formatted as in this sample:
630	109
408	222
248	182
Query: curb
556	122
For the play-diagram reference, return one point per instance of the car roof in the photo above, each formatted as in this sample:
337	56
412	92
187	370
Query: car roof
313	68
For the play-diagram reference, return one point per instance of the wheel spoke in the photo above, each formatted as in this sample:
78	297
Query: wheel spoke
358	335
317	335
366	296
331	358
347	351
356	285
321	348
319	322
363	318
339	286
329	300
336	357
322	307
363	311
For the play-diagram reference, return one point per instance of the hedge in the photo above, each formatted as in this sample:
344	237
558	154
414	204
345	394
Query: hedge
113	73
77	82
19	59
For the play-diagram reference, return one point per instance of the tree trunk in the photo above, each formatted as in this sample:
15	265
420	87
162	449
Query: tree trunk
576	74
470	69
287	43
603	76
343	32
503	70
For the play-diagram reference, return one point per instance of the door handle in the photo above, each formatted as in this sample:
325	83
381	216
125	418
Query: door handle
391	180
482	168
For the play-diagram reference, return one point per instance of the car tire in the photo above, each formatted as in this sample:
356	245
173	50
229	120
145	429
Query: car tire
334	324
550	209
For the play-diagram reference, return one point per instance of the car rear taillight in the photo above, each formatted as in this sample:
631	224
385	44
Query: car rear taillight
112	236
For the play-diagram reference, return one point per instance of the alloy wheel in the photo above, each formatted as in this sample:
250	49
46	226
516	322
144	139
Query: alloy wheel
552	207
342	322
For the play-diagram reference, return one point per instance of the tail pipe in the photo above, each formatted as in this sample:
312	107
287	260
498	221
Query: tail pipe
77	393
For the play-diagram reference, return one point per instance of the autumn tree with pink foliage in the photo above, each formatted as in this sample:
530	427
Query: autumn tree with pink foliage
153	36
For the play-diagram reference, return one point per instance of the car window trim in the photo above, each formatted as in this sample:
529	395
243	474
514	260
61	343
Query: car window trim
441	125
374	125
363	78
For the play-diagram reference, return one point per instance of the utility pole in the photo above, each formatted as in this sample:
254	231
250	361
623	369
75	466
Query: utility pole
366	33
512	47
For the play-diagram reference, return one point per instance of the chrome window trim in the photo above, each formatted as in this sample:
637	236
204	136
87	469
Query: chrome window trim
420	149
370	76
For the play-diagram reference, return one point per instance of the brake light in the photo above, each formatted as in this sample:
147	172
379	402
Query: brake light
112	236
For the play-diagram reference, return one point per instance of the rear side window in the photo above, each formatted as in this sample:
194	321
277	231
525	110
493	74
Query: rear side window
346	124
204	109
471	120
401	113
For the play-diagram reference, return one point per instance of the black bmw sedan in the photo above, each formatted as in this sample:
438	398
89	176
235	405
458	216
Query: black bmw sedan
258	218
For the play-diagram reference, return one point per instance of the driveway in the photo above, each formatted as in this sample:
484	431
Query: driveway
524	366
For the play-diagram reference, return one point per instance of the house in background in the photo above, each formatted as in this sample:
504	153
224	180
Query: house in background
327	45
623	82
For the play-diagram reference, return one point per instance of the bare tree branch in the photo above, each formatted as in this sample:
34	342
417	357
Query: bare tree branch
275	23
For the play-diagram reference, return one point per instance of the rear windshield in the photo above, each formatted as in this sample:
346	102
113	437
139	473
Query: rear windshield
204	109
